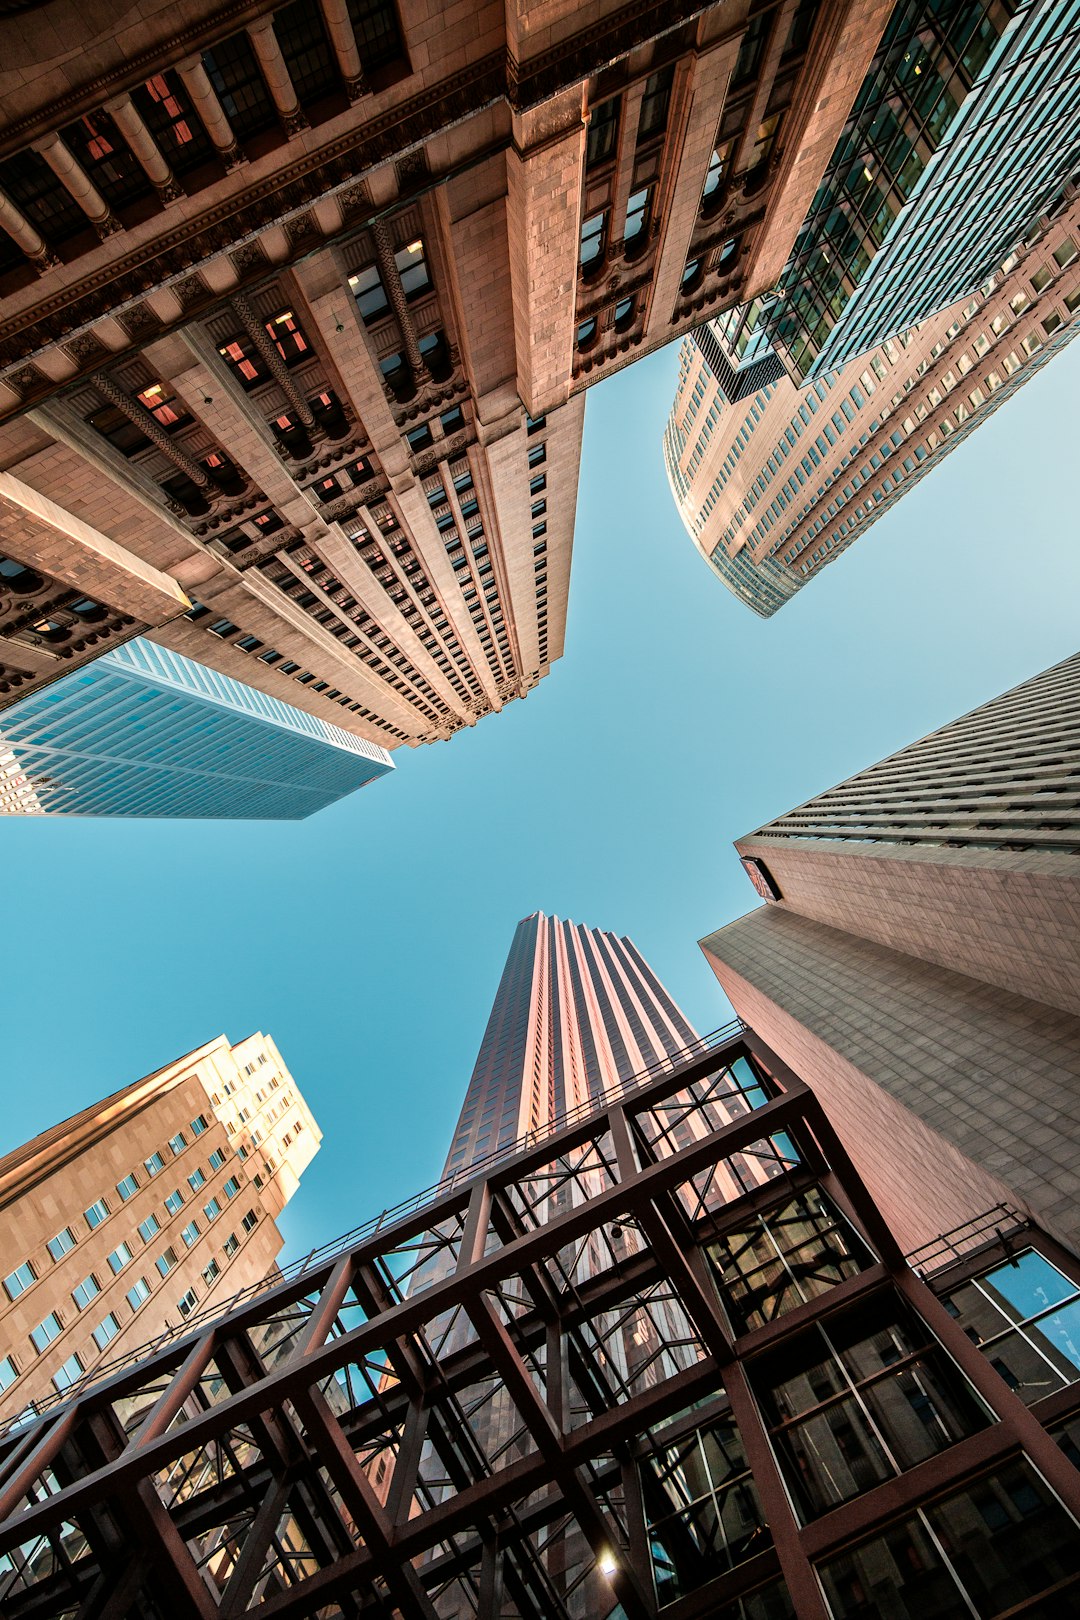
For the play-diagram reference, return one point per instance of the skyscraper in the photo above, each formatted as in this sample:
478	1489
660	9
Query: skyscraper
578	1011
299	308
918	956
120	1223
146	732
773	481
963	133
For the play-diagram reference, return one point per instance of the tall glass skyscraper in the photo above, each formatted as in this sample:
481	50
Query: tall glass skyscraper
578	1011
144	731
965	131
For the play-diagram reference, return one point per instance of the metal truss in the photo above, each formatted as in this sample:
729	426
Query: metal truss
447	1419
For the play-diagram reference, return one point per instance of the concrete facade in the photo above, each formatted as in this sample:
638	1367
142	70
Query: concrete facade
84	1220
774	482
299	309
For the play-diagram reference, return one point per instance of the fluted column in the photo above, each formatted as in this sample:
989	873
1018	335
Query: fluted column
25	236
75	180
268	349
128	120
343	39
204	99
276	73
147	423
388	270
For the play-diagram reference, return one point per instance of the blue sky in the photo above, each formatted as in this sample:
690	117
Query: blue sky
369	940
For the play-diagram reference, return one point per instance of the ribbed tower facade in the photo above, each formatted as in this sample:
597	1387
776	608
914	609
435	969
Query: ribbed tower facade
578	1011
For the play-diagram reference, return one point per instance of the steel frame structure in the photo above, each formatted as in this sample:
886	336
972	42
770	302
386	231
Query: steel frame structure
447	1418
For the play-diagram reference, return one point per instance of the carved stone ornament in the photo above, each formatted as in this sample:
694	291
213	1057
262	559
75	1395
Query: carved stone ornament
86	349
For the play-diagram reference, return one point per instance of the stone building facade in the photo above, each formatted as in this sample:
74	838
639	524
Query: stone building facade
299	305
122	1221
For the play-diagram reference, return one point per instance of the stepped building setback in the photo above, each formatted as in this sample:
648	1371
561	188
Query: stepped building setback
149	1206
919	956
774	481
299	305
143	731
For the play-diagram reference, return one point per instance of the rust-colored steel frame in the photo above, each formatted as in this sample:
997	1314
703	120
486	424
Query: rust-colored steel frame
434	1417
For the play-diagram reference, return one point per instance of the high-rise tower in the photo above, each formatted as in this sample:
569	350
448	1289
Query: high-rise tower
578	1011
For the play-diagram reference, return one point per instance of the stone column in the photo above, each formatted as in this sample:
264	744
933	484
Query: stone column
340	29
388	270
75	180
204	99
256	331
129	122
147	423
276	73
23	233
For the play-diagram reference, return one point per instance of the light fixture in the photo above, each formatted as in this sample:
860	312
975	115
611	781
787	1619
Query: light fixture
606	1563
415	247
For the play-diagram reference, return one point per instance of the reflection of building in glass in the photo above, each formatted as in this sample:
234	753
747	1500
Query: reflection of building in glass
927	907
964	132
119	1223
800	1424
148	732
773	481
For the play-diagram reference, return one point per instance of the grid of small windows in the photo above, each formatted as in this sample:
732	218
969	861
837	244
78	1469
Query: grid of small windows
233	70
306	49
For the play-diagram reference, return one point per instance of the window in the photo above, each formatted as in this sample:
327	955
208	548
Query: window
603	131
153	1164
61	1243
231	1187
231	1244
860	1402
98	1212
148	1227
138	1294
234	74
96	142
211	1273
288	337
106	1330
637	217
250	1221
420	438
593	239
199	1124
655	103
178	1142
370	294
166	1261
119	1258
217	1158
537	454
127	1188
718	165
68	1374
196	1180
783	1258
175	1202
46	1331
244	361
991	1529
586	333
187	1303
165	108
413	270
86	1291
190	1234
702	1508
19	1280
624	314
1025	1318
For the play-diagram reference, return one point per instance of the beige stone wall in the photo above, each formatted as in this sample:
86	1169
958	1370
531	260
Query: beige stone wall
920	1069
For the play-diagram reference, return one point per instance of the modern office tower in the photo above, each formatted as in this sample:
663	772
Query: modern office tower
963	134
919	956
299	308
578	1011
158	1201
773	481
809	1427
144	731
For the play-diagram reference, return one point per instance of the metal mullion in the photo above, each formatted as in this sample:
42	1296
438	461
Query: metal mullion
249	1566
